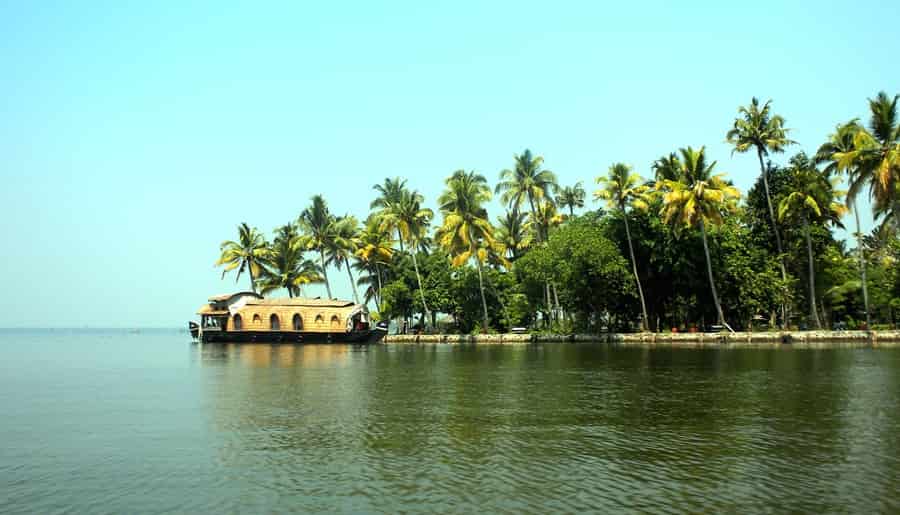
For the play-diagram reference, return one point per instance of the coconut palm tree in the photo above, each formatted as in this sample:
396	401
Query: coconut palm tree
406	215
526	182
571	197
875	157
697	198
811	200
467	232
390	193
757	128
317	225
342	245
375	251
839	143
512	234
621	189
284	265
244	254
547	217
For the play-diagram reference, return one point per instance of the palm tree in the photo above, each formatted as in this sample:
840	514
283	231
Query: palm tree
406	215
466	232
244	254
838	143
811	199
284	265
875	157
375	250
571	197
512	235
526	182
547	217
317	224
622	189
697	198
391	193
757	128
342	244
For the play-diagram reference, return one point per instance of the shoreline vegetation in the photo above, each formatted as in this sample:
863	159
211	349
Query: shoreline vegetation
670	245
785	339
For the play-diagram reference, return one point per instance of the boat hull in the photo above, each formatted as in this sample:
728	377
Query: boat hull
374	335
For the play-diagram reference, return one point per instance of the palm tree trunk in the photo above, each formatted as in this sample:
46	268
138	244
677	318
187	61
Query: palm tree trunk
645	323
352	282
812	277
571	211
250	273
862	269
487	320
765	176
325	272
378	293
419	279
712	282
540	239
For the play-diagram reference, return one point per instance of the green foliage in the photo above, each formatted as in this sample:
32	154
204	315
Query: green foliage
591	275
397	300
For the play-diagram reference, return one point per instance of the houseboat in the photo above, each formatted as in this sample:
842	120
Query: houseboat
248	317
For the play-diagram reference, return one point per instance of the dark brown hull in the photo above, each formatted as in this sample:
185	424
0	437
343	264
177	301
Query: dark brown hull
368	336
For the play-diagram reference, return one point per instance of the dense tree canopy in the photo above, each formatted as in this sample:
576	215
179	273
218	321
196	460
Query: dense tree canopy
770	257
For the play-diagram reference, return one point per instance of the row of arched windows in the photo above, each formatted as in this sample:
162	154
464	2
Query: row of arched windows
275	322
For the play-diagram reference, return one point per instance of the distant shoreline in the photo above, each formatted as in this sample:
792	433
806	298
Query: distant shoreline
767	339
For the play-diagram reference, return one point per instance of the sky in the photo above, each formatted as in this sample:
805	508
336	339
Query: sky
136	136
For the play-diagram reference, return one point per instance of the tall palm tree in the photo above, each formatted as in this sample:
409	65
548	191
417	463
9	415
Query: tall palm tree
811	199
467	232
875	157
390	193
284	265
375	251
622	189
317	225
342	245
757	128
526	182
571	197
244	254
406	215
838	143
512	234
697	198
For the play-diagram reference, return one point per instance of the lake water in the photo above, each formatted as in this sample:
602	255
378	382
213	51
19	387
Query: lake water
113	422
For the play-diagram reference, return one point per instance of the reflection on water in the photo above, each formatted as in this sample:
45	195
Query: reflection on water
566	427
146	423
276	355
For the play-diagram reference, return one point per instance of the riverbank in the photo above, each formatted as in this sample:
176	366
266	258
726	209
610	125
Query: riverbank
797	338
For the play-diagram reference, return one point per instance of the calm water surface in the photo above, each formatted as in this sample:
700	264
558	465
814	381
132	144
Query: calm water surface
113	422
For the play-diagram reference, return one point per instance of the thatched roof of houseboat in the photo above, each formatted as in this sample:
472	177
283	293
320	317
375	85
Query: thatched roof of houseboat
208	310
226	296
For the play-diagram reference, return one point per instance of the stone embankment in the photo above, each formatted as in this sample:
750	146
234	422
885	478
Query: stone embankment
761	339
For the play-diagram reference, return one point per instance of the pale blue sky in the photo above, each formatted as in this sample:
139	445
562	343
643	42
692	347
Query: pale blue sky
135	136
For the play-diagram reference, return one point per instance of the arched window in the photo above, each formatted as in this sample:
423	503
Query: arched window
274	323
297	322
237	323
335	322
320	319
256	319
